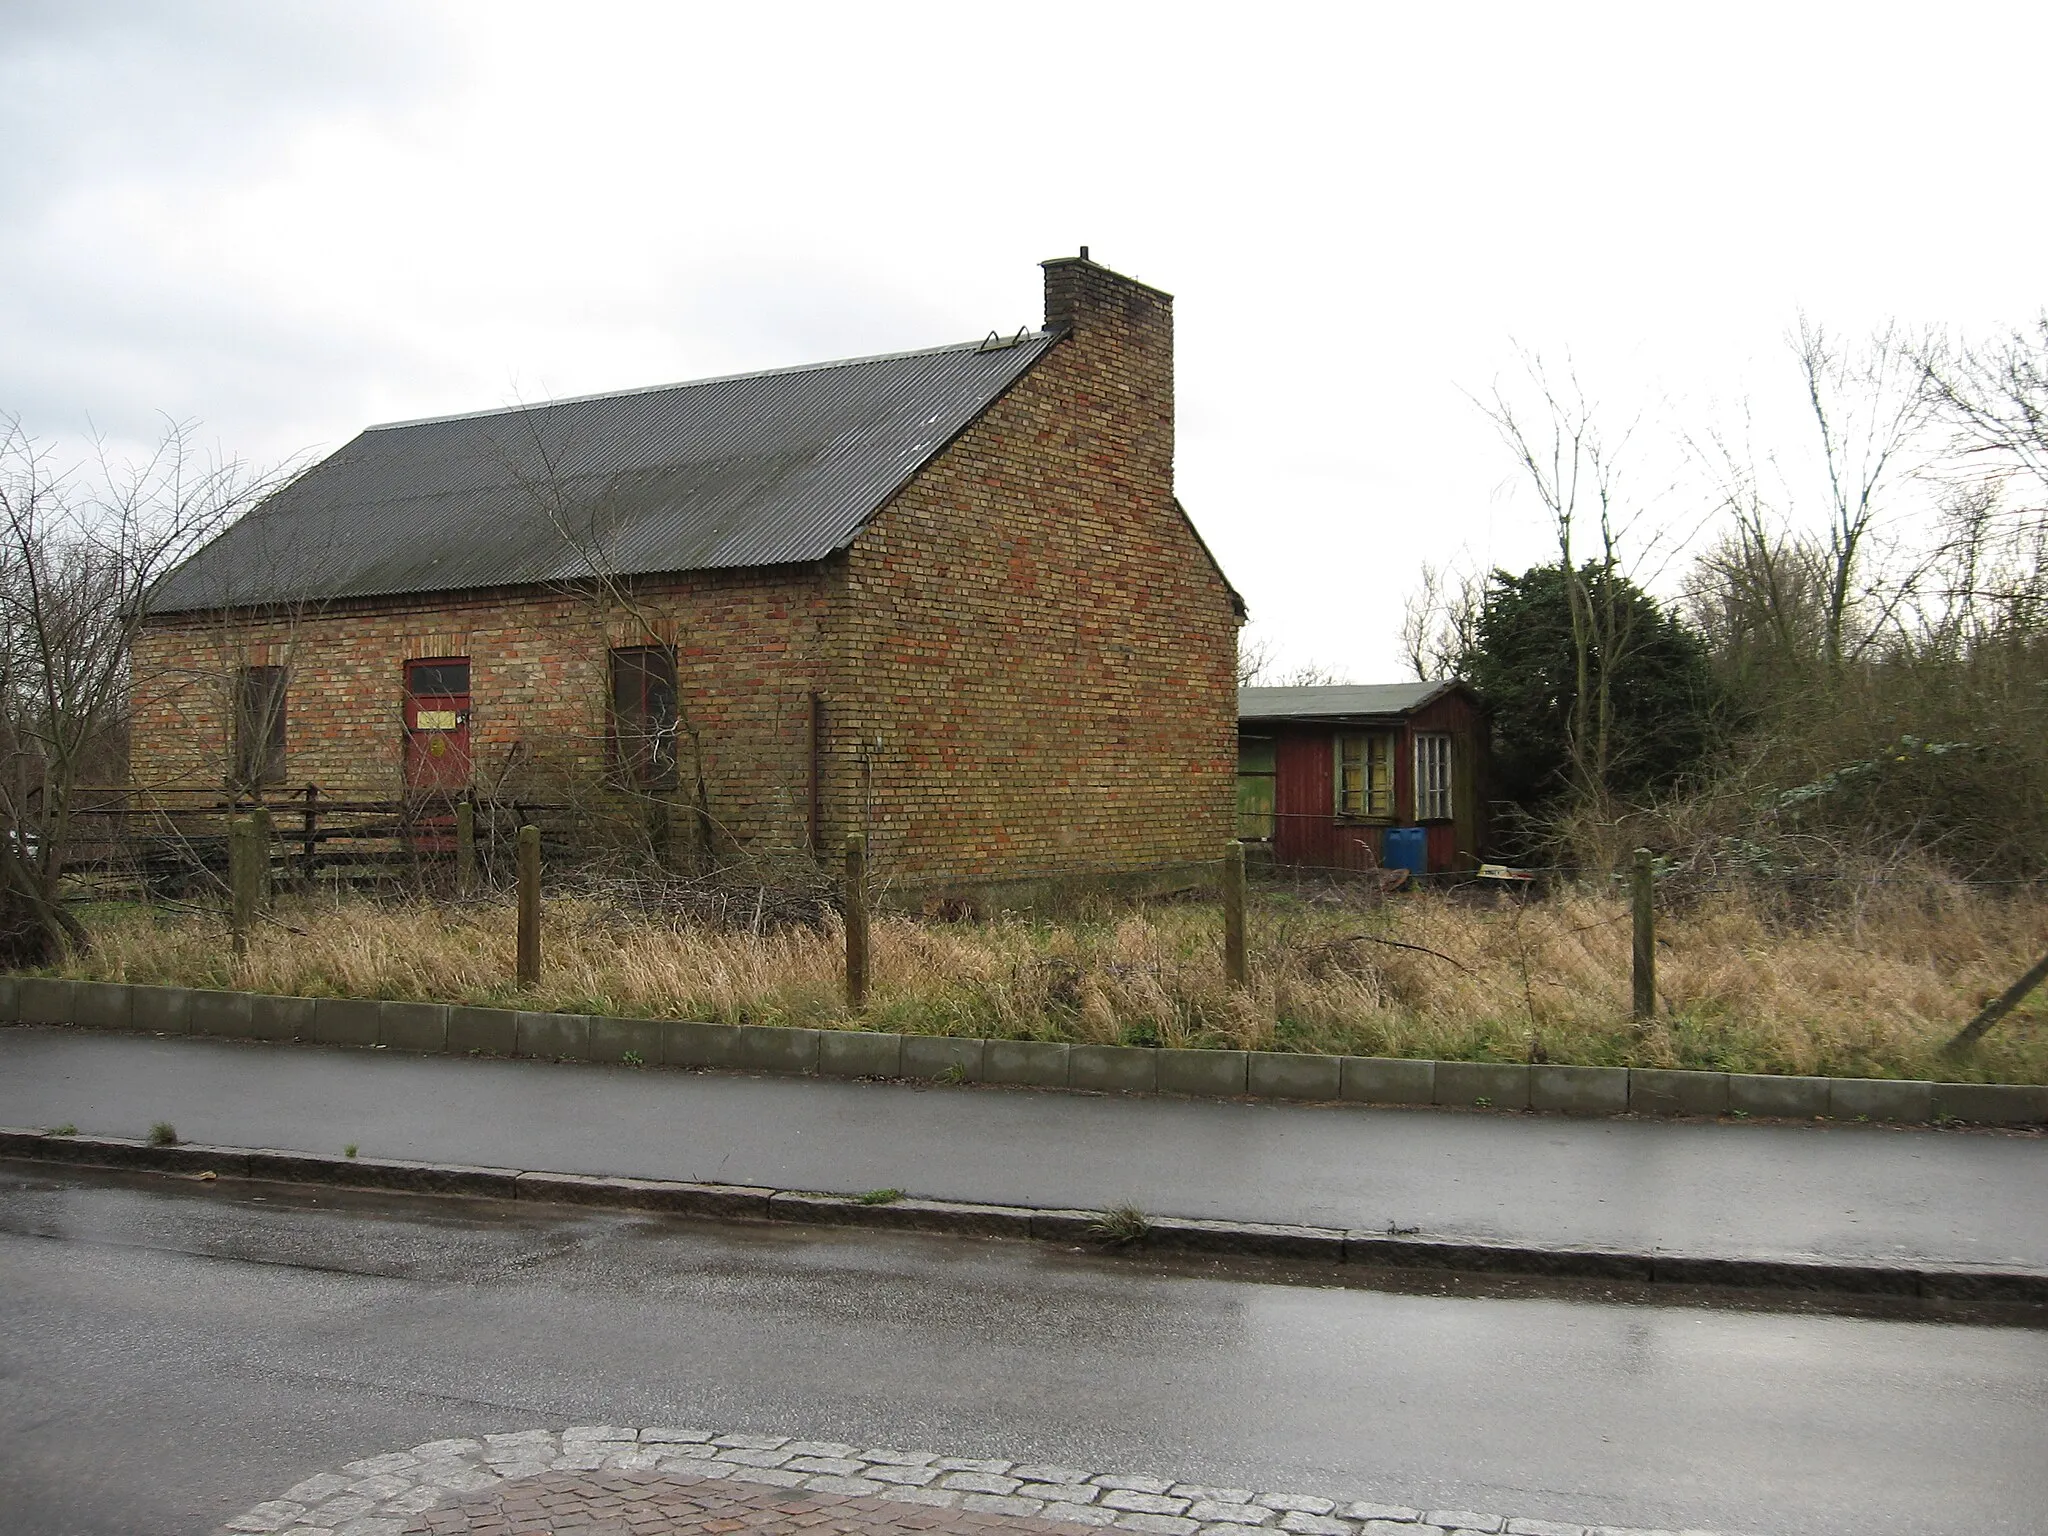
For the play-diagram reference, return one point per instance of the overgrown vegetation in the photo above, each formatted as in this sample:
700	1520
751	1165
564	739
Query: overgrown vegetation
1853	664
1845	978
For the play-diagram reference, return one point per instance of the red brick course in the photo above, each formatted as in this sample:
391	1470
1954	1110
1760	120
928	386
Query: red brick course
657	1504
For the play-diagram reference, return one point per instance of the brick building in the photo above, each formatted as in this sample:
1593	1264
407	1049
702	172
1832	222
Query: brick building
945	597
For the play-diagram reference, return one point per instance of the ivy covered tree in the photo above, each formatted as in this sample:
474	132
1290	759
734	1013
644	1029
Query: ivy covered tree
1598	696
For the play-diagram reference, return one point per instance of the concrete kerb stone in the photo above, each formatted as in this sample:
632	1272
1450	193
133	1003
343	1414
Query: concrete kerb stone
552	1036
225	1015
1868	1098
1292	1075
1579	1090
1113	1069
1387	1080
954	1058
1481	1085
280	1018
413	1027
902	1215
725	1202
1990	1103
614	1040
1255	1238
1026	1063
161	1010
43	1000
688	1043
1205	1074
859	1053
1664	1091
770	1049
295	1167
10	999
1798	1098
102	1005
482	1031
345	1021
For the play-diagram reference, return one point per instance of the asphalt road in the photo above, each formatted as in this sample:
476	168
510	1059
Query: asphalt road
1851	1192
173	1352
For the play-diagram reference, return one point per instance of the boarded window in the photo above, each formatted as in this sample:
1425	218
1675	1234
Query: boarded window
643	723
1365	775
1432	776
259	727
1255	769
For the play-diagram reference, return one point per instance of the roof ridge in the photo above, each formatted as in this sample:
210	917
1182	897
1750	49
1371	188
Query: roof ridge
722	378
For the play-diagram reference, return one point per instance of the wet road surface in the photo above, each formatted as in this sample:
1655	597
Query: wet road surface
172	1352
1851	1192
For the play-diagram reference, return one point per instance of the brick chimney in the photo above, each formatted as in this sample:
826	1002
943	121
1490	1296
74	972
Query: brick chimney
1122	333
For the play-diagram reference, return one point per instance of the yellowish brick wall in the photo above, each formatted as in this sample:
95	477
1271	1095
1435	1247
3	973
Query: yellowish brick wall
749	654
1040	659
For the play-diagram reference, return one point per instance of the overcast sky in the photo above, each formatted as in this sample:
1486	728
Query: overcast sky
290	221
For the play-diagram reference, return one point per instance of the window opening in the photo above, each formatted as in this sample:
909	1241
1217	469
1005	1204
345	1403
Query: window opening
259	727
643	716
1432	776
1256	767
1365	775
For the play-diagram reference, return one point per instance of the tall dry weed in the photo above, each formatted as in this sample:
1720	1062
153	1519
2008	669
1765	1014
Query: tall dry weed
1870	987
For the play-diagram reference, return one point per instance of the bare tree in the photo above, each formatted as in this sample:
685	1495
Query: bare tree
1994	397
1869	413
1258	666
1440	621
1575	469
80	556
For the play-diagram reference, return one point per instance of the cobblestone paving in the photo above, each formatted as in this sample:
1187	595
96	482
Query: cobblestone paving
601	1479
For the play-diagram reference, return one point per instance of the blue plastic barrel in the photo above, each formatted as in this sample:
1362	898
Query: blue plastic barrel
1407	848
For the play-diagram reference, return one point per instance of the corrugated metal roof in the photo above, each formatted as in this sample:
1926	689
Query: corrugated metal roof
759	469
1336	700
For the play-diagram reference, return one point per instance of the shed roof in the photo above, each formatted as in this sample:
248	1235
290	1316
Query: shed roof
756	469
1336	701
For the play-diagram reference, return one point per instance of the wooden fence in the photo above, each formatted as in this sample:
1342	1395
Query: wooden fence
166	836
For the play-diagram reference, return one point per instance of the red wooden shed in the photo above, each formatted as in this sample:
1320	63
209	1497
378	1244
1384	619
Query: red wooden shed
1359	777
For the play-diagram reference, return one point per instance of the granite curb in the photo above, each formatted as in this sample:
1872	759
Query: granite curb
1349	1248
1281	1076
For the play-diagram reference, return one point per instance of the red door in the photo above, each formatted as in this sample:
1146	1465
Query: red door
436	744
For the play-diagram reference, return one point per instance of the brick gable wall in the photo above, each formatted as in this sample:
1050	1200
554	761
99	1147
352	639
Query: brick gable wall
1040	656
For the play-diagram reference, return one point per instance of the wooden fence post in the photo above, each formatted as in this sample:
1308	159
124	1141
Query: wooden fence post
465	847
310	849
241	881
266	832
1234	972
529	906
1997	1009
1645	968
856	922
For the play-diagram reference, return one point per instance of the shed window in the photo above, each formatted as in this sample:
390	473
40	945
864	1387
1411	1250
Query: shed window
1432	776
259	727
1255	769
1365	775
643	716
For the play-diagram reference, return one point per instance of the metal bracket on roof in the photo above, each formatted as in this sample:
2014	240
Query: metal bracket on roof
995	343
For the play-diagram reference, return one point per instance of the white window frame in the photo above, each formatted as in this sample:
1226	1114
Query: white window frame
1433	800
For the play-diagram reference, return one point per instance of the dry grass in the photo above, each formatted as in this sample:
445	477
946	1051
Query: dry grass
1870	990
